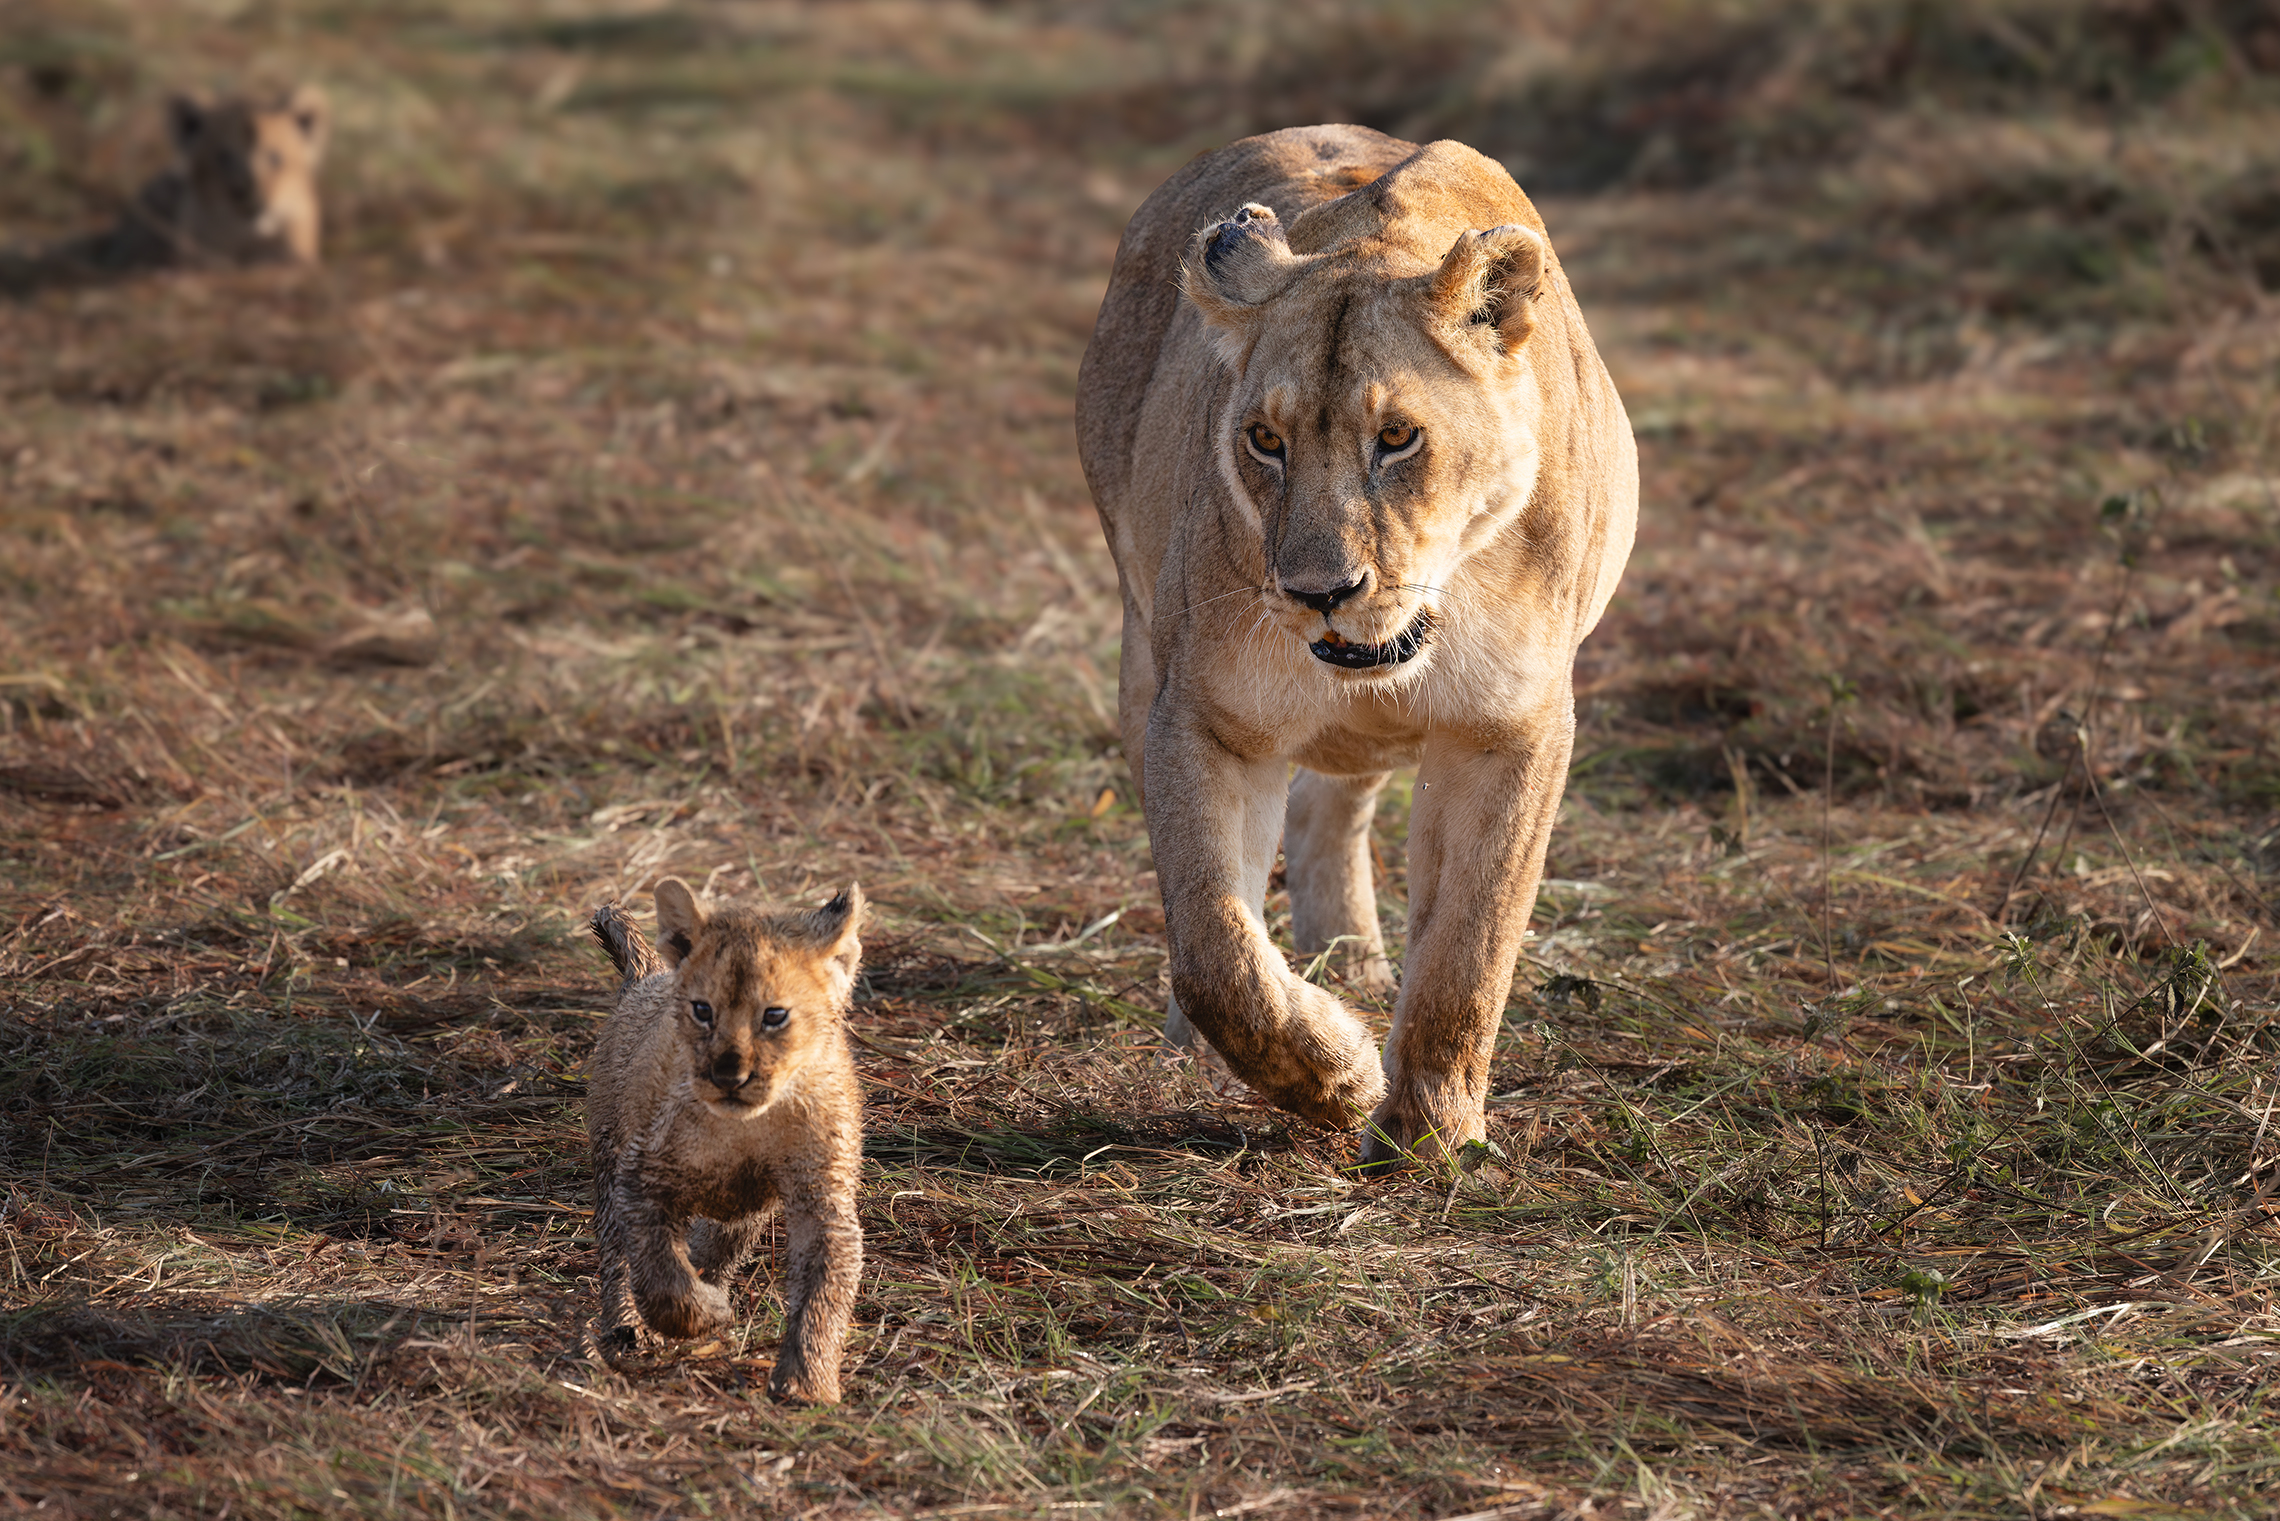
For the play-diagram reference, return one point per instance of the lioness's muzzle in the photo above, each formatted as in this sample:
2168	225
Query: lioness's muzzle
1334	649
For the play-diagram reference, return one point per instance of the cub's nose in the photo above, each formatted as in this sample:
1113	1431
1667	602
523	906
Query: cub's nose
1327	601
729	1072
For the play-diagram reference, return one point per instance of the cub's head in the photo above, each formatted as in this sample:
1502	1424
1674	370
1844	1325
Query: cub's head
251	173
1381	420
758	997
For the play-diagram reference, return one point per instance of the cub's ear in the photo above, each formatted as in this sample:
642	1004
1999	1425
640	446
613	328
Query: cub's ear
836	928
185	121
1489	280
1233	266
679	920
312	114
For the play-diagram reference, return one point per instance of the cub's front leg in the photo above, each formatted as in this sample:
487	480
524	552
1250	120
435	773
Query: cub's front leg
672	1299
618	1315
823	1269
1214	818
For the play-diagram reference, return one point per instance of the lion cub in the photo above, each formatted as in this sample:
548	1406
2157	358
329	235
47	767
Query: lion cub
242	190
722	1087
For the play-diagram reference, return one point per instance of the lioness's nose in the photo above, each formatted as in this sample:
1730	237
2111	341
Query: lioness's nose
1327	601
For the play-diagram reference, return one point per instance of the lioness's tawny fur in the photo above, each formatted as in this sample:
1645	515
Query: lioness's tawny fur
723	1087
1367	485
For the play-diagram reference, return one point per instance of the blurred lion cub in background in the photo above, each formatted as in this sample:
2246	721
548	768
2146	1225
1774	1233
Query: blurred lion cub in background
722	1087
242	190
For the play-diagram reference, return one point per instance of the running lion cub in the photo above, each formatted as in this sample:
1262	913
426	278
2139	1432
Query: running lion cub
722	1087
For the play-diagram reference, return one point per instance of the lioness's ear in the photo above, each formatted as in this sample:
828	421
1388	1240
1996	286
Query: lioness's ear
1489	279
837	927
1234	265
185	119
312	113
679	920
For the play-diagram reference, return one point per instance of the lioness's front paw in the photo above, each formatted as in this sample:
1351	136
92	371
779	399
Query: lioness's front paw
1325	1066
698	1308
1428	1127
1330	1094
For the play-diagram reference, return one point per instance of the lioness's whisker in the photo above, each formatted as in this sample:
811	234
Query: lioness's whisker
1255	591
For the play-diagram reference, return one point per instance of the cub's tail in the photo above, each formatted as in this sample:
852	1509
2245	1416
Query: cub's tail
628	950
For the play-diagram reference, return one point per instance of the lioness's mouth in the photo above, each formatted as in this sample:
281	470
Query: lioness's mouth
1333	648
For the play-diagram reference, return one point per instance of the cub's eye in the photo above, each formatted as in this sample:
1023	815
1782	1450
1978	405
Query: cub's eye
1265	442
701	1012
774	1019
1396	439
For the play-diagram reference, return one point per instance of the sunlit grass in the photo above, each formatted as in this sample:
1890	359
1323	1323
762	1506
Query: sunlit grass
671	471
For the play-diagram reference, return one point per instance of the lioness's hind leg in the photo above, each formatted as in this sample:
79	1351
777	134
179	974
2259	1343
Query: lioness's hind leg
1185	1044
1326	858
1179	1034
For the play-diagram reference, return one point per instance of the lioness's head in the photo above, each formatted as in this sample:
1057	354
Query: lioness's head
760	996
1380	423
251	173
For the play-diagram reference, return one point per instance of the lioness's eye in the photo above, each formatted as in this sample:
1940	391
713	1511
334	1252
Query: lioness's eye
1396	436
701	1012
773	1019
1266	440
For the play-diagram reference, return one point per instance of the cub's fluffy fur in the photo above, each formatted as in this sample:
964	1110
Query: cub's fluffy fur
723	1087
242	190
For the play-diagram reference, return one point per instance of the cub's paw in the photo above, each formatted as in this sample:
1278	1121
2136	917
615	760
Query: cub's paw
699	1308
1427	1126
625	1343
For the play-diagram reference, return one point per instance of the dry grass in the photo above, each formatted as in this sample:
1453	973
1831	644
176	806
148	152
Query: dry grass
671	469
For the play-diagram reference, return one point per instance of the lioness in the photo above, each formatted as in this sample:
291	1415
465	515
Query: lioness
723	1086
1367	485
242	190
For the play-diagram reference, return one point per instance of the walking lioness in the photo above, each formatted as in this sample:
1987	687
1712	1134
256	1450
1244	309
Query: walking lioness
1368	485
722	1087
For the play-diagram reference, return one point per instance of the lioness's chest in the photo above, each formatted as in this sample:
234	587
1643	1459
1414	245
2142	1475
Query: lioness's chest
1269	701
